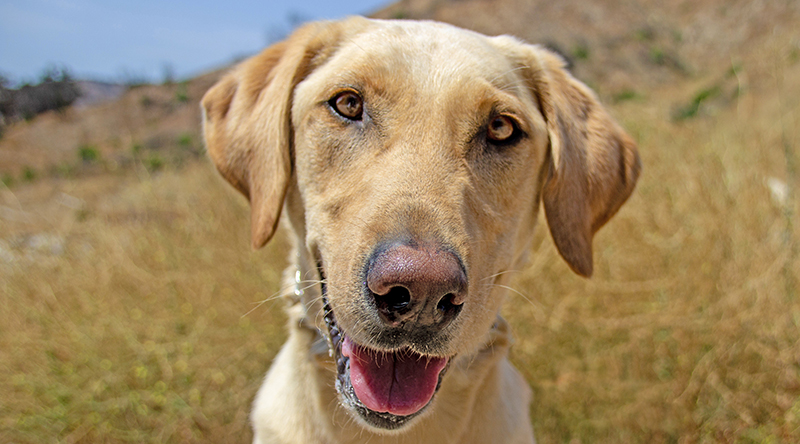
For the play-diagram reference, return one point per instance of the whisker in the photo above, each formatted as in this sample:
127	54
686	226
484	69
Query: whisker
500	274
282	291
522	295
274	296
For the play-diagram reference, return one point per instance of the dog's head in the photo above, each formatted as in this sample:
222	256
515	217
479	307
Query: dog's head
412	158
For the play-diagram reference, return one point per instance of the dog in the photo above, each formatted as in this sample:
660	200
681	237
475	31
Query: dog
409	159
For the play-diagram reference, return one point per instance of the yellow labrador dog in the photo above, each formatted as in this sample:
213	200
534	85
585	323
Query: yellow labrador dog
410	159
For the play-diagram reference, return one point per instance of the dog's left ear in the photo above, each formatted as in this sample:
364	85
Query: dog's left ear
247	119
593	163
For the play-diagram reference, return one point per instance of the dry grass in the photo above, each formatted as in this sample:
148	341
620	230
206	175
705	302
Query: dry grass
125	295
690	329
125	321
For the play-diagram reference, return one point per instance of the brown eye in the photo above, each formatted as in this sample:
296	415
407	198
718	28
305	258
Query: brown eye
501	129
348	104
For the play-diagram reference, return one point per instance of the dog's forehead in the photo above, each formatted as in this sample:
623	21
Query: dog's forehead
434	56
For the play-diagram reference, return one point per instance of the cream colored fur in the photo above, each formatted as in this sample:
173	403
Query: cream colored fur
421	164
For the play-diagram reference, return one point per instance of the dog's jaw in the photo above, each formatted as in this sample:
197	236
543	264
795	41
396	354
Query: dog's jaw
381	420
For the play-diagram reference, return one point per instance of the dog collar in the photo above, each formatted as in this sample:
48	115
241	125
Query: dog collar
319	345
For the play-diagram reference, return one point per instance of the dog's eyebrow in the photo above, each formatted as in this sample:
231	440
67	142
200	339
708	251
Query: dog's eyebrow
510	81
352	41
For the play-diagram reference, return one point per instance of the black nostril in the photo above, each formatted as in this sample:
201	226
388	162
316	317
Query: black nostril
396	299
446	303
395	304
447	308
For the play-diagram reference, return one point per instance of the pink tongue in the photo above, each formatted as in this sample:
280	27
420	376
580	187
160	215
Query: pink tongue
400	383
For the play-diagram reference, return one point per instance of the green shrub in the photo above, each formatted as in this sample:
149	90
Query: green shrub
581	52
625	95
146	101
154	162
88	153
182	93
691	109
185	140
657	56
28	174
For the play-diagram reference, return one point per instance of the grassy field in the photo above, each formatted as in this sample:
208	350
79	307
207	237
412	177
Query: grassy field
129	295
124	320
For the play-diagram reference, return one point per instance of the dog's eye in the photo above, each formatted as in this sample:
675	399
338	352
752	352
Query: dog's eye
501	129
348	104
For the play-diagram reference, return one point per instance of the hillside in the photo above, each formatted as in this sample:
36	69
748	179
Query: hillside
133	309
631	44
147	118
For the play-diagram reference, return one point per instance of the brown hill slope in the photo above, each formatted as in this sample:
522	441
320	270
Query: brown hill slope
132	310
149	118
628	44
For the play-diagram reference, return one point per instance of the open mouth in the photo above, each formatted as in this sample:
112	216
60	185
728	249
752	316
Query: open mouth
385	388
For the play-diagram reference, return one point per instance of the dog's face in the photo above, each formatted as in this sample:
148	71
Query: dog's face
412	158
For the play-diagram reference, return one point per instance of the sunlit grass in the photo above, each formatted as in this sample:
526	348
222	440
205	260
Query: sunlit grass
688	332
136	332
126	294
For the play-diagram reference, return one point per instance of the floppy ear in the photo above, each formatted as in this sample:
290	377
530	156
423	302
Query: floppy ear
593	163
247	119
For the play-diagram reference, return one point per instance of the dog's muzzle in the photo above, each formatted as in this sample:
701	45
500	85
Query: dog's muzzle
389	387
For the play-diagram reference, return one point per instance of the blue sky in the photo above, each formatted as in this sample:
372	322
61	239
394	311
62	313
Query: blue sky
115	40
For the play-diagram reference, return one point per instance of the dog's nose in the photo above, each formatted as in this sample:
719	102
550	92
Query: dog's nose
417	285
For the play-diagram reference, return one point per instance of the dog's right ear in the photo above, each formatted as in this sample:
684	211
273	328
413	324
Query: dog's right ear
247	119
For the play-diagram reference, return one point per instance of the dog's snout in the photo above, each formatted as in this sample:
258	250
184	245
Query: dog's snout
417	286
